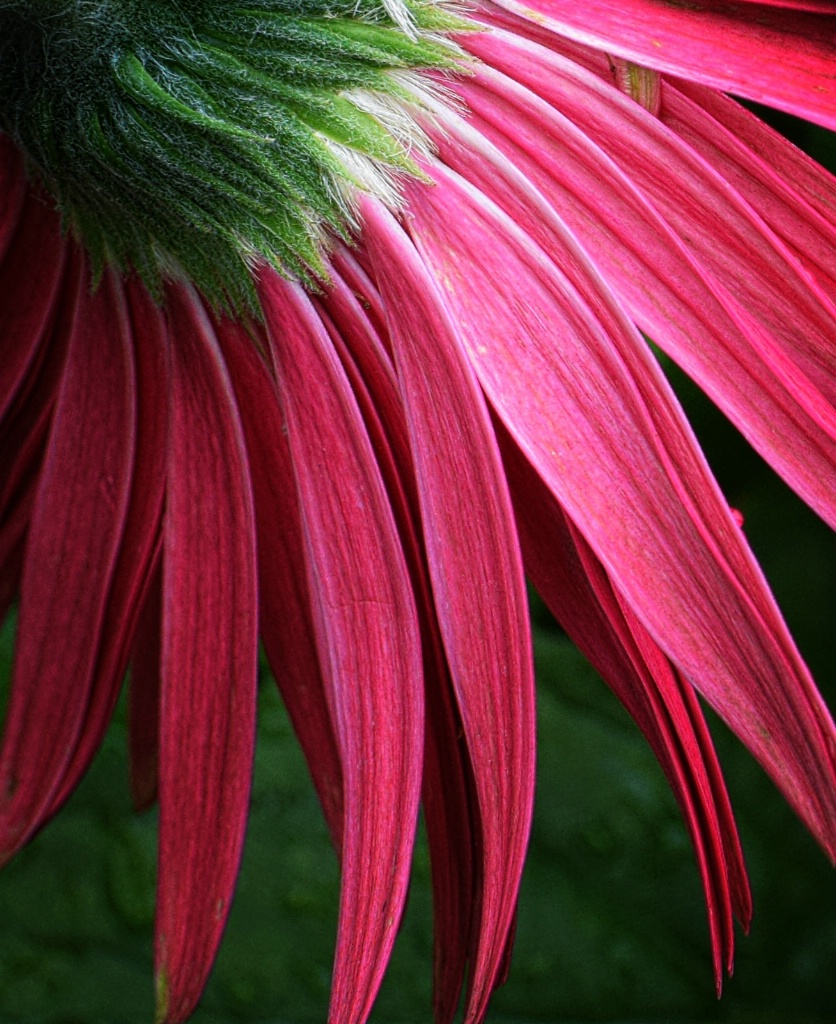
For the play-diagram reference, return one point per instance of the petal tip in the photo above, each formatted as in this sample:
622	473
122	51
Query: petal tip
162	996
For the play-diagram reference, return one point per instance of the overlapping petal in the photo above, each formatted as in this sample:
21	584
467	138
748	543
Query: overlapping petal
75	531
25	322
716	43
475	571
575	587
451	812
363	477
367	640
208	660
140	542
32	358
591	411
756	376
285	614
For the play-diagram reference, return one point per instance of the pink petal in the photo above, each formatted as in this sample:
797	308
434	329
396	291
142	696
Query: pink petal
714	43
793	194
451	813
367	640
286	616
73	543
730	242
589	407
664	289
209	648
140	541
476	575
577	591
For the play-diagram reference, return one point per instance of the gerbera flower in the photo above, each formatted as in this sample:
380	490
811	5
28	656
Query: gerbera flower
366	341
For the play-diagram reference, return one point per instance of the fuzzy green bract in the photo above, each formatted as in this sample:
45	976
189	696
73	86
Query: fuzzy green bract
195	139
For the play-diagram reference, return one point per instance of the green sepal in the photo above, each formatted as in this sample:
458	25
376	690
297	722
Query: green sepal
194	140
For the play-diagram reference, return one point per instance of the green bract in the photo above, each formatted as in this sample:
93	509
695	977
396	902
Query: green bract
196	138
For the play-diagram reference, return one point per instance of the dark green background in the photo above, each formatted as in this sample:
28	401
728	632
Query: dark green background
612	926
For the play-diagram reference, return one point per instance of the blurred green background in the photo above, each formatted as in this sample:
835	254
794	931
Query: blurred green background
612	926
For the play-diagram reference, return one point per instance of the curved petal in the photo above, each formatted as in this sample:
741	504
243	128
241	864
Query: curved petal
722	232
209	654
74	535
576	590
712	42
589	407
451	813
670	295
36	337
793	194
367	638
285	613
476	574
140	542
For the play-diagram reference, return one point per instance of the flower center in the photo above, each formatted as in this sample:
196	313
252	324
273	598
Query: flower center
196	139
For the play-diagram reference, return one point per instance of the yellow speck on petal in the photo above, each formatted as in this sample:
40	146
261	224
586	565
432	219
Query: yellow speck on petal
162	997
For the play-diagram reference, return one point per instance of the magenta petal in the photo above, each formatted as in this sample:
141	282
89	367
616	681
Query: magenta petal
367	638
285	613
575	587
209	648
664	289
591	411
476	575
451	813
757	275
74	535
756	157
713	42
141	536
792	193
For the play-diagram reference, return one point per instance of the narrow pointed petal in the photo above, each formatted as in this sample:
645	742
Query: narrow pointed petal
683	306
593	413
725	235
576	590
475	571
74	534
450	810
367	639
140	542
793	193
209	650
285	613
715	43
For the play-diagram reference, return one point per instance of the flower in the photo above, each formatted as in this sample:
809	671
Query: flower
361	471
